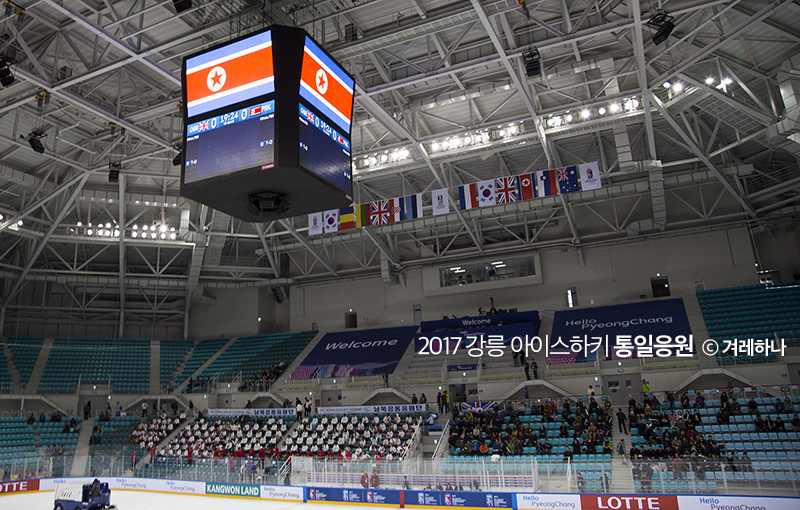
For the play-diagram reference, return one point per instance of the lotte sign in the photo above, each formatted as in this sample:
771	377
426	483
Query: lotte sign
20	486
595	502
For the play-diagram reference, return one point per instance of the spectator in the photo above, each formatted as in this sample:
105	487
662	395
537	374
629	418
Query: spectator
527	367
535	367
645	387
622	421
385	379
414	399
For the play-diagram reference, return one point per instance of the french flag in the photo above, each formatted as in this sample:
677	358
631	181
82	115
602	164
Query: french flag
546	184
468	196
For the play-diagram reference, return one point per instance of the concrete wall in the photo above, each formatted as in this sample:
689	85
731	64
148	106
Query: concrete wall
234	314
610	274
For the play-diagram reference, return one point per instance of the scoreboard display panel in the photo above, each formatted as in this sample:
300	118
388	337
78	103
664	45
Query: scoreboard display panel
236	72
267	123
324	150
325	135
247	133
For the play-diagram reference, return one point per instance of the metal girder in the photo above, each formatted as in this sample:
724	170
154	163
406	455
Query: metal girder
687	138
696	56
760	116
304	242
113	40
513	74
638	49
382	248
270	257
43	242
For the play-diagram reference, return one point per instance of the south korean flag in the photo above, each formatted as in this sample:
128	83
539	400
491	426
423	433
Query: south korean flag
486	193
331	221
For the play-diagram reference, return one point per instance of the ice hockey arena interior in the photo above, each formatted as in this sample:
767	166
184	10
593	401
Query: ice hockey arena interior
562	271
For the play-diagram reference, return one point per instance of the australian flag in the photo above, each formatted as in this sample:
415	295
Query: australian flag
568	179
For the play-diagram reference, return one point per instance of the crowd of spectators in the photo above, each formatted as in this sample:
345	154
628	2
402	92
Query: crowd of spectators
150	433
482	433
266	379
354	437
241	438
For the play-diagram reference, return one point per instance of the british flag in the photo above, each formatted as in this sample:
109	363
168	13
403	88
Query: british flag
562	174
379	212
204	125
478	407
506	190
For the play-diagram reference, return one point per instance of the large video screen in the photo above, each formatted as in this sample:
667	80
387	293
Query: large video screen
236	72
324	150
326	86
247	134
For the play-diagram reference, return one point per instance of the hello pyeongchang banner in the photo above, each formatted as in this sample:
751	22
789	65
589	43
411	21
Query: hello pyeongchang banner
649	328
356	352
480	321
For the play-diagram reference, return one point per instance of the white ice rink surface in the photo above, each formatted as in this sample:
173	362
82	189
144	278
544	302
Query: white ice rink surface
138	500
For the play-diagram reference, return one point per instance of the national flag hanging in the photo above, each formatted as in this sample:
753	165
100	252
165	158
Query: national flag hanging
527	186
468	196
568	179
331	221
440	201
507	190
478	407
362	215
233	73
411	207
486	196
590	176
546	183
347	218
395	210
379	212
315	223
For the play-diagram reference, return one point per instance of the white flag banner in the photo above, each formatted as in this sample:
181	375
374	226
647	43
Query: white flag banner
331	221
441	201
590	176
486	195
315	223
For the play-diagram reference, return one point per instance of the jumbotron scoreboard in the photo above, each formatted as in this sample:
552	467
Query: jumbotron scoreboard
267	127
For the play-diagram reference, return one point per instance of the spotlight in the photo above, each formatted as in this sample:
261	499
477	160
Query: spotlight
182	5
614	107
533	62
113	171
177	160
664	22
134	234
677	87
35	140
709	81
601	110
667	85
6	78
568	117
586	114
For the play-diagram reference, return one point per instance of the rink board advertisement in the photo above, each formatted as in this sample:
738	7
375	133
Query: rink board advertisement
458	499
418	499
353	496
16	486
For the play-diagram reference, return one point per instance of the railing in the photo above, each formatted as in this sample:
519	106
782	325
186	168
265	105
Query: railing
442	445
179	468
411	451
40	466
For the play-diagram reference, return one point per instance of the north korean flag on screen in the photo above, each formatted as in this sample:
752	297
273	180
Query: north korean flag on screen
236	72
326	86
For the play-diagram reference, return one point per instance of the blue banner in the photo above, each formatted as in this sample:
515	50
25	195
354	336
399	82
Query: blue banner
356	352
366	496
459	499
645	329
481	321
